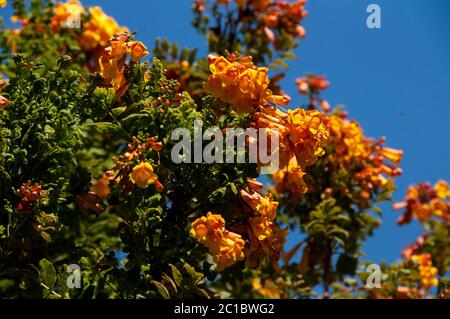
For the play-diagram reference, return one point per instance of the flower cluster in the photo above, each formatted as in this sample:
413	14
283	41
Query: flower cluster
427	271
143	176
266	239
302	135
114	60
425	201
99	29
237	81
225	246
312	86
29	194
283	15
132	169
96	31
368	161
252	24
274	14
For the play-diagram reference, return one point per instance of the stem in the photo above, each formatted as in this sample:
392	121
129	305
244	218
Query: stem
51	291
327	272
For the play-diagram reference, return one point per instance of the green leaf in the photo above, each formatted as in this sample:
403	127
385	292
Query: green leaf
47	273
176	274
161	289
104	126
202	293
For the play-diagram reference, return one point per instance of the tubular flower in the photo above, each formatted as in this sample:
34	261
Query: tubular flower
312	86
65	13
226	247
138	51
3	101
265	238
427	271
307	134
237	81
311	83
302	137
28	194
282	15
368	162
350	141
265	210
101	186
96	31
113	61
131	169
290	179
143	175
423	201
270	247
442	189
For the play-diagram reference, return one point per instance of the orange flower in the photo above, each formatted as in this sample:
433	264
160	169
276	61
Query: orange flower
302	135
264	206
349	138
109	68
138	51
98	30
241	84
3	101
442	189
113	60
423	202
391	154
101	186
143	175
265	209
427	271
311	83
29	194
3	3
226	247
282	15
423	213
308	134
266	239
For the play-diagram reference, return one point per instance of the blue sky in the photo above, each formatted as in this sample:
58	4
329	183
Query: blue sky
395	80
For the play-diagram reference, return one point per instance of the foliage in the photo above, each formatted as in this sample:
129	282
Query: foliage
88	178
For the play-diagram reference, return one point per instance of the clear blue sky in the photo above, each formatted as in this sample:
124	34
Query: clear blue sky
395	80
